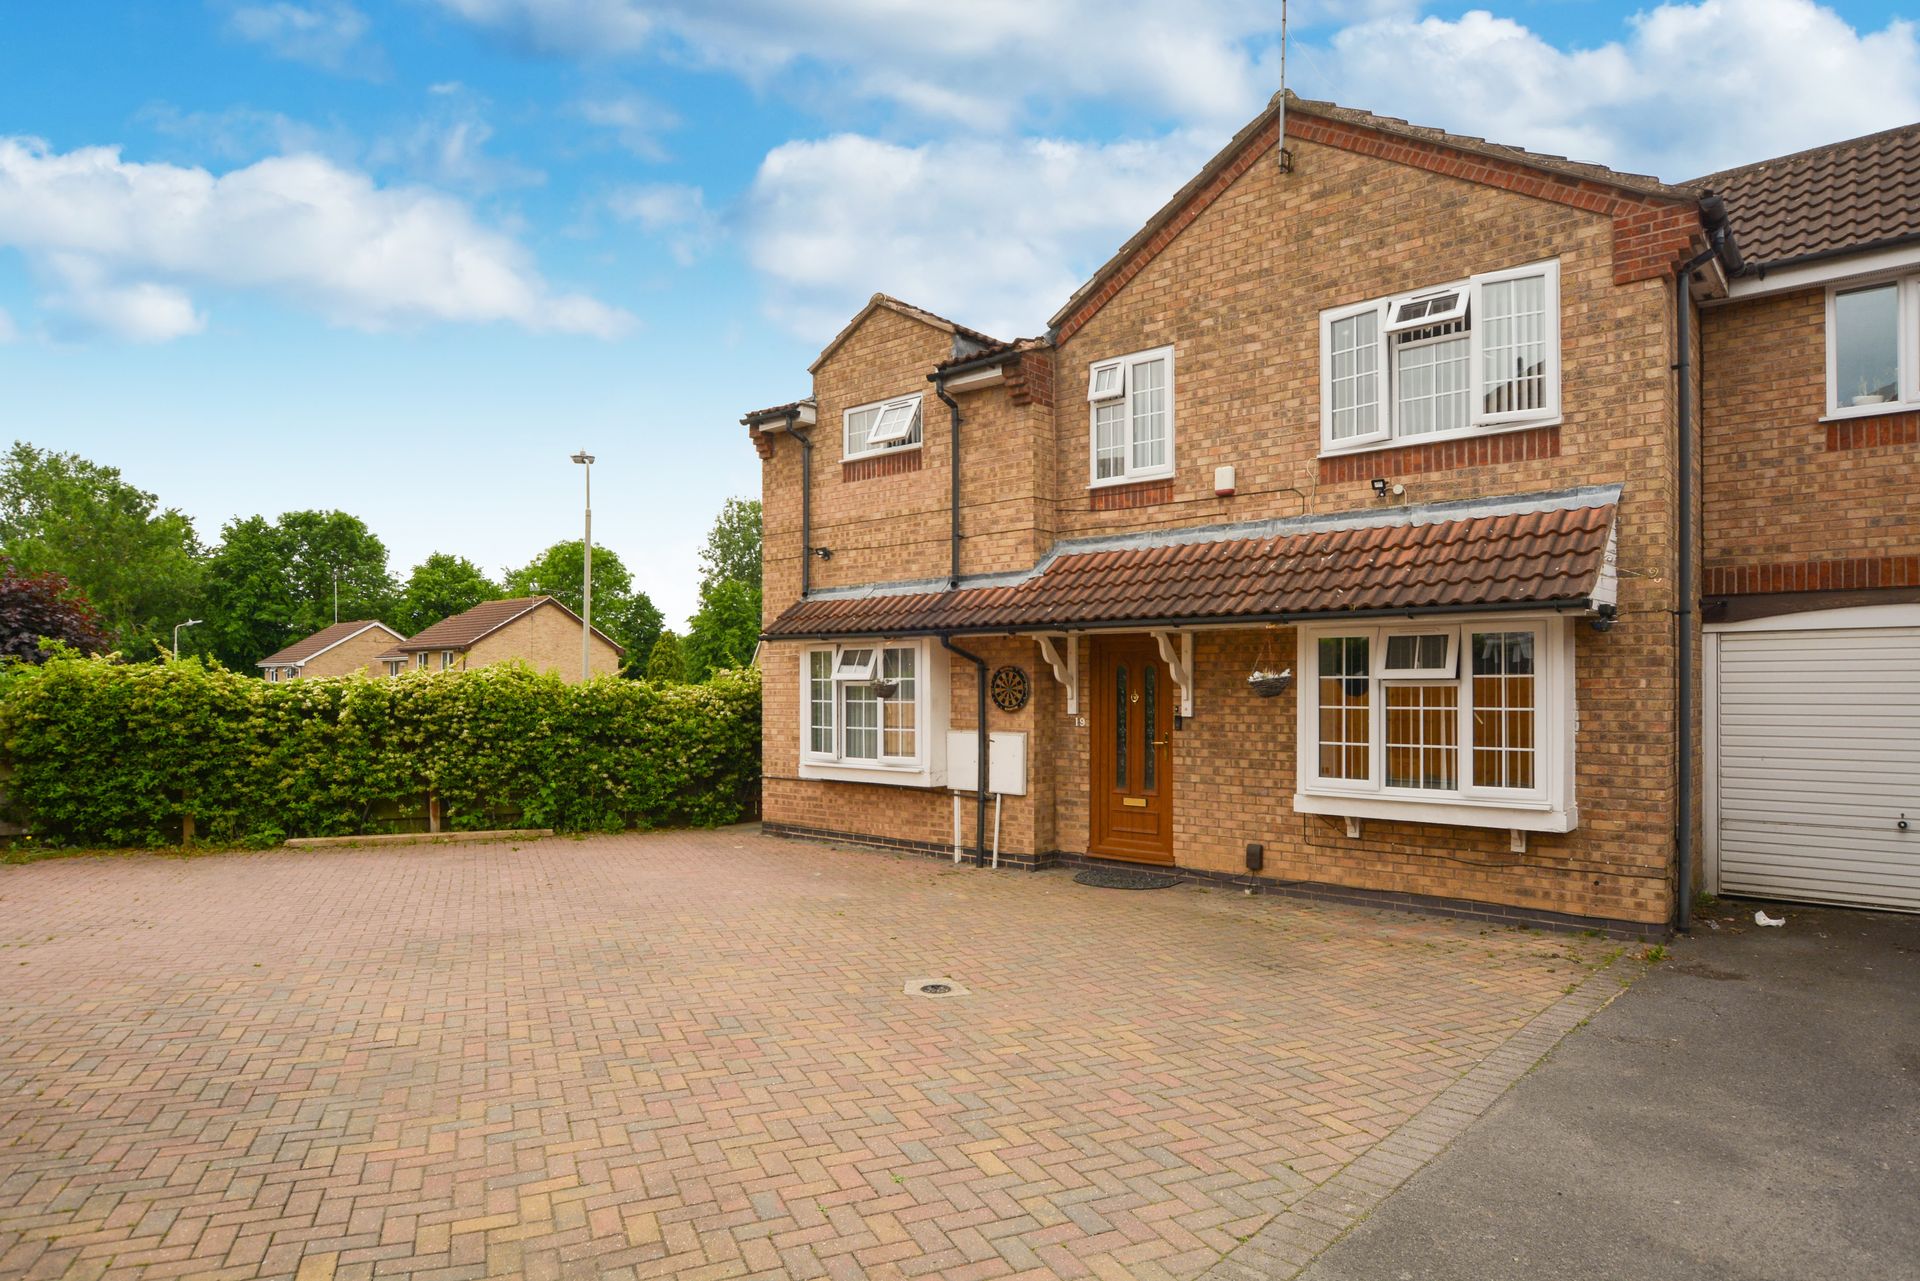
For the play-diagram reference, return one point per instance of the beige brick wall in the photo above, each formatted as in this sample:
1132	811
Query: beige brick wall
353	656
546	639
1775	493
1237	294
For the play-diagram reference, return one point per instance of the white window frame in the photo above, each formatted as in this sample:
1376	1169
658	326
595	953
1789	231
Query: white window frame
420	661
915	428
926	767
849	667
1448	671
1906	345
1129	474
446	660
1387	429
1546	807
396	666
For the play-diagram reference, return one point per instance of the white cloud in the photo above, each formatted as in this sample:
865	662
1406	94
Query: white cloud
323	33
984	64
449	147
996	234
675	211
121	245
637	122
1690	89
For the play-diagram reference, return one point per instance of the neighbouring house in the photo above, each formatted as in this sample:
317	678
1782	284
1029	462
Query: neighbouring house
536	630
1343	536
340	650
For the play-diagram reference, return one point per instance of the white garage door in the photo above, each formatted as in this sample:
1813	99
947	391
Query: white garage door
1817	762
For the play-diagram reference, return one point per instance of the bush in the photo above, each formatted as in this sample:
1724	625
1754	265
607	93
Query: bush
106	754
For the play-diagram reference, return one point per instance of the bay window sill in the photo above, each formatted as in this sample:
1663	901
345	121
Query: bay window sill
885	775
1849	413
1524	816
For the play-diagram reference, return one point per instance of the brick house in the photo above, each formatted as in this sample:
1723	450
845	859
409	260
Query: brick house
340	650
1329	541
536	630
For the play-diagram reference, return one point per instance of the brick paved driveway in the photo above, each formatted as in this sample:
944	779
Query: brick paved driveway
689	1055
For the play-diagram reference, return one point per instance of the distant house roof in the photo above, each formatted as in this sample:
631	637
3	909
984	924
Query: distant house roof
1546	550
462	631
301	651
1845	197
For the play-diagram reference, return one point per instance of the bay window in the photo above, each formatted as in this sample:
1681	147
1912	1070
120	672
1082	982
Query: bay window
1873	347
1452	722
1475	355
868	711
1130	417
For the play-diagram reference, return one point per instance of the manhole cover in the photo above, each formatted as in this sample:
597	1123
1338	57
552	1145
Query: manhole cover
1108	878
939	987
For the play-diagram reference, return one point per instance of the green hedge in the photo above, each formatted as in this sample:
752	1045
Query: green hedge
101	753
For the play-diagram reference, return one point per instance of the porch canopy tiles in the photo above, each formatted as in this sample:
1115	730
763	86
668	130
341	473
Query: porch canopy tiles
1546	551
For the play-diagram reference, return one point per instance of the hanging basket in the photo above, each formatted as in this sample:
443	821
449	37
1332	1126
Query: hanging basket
1269	684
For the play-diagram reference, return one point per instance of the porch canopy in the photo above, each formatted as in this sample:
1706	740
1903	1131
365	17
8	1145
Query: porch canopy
1549	551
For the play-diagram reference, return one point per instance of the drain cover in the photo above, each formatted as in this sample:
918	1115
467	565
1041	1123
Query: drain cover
1108	878
936	987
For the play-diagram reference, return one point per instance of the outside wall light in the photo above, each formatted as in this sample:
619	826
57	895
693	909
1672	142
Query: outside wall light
1379	486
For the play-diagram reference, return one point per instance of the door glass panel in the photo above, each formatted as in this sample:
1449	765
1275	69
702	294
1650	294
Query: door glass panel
1120	729
1149	726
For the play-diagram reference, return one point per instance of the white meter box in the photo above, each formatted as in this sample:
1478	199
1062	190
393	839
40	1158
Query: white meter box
1006	761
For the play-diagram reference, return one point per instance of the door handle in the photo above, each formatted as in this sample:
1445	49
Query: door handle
1158	742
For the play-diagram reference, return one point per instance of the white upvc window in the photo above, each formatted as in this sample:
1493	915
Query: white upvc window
1458	722
446	660
873	711
881	427
420	660
1130	418
1873	346
1481	354
395	666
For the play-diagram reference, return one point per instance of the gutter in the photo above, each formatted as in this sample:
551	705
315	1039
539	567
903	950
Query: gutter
1713	212
939	381
980	783
1557	605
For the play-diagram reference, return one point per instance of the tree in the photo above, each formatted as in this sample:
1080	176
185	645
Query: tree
36	609
667	663
439	587
270	583
626	615
140	567
732	551
724	631
726	628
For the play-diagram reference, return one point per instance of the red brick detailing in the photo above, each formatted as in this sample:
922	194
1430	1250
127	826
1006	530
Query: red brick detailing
1853	574
1030	379
1871	433
1650	233
1197	203
1443	455
893	464
762	443
1120	498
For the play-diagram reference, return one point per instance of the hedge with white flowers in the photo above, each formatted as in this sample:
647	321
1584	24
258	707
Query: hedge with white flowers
101	753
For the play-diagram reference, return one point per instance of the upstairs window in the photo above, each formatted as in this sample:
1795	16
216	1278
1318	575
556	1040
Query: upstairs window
1873	347
1474	355
882	426
1130	417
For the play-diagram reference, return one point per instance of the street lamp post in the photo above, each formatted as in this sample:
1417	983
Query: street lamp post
191	622
586	574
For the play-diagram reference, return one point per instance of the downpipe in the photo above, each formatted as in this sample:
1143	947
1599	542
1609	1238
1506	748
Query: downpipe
953	469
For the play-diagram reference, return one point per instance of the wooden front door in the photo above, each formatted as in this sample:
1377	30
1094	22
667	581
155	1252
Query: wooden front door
1133	701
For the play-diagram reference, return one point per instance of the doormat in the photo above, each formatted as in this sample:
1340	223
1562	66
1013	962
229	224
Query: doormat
1112	878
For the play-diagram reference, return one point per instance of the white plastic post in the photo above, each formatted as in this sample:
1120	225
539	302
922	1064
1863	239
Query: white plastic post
956	829
996	831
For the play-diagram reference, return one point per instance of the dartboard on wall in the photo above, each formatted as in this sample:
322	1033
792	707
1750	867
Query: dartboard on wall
1010	689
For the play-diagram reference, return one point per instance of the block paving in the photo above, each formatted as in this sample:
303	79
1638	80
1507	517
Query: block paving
689	1055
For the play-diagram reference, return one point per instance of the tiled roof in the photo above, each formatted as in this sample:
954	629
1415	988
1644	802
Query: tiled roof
753	416
1455	556
1843	197
326	638
462	630
1015	347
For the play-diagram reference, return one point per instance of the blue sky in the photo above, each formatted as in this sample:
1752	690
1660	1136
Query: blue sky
401	258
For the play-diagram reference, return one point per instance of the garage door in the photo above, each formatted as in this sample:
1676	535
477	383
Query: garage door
1818	762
